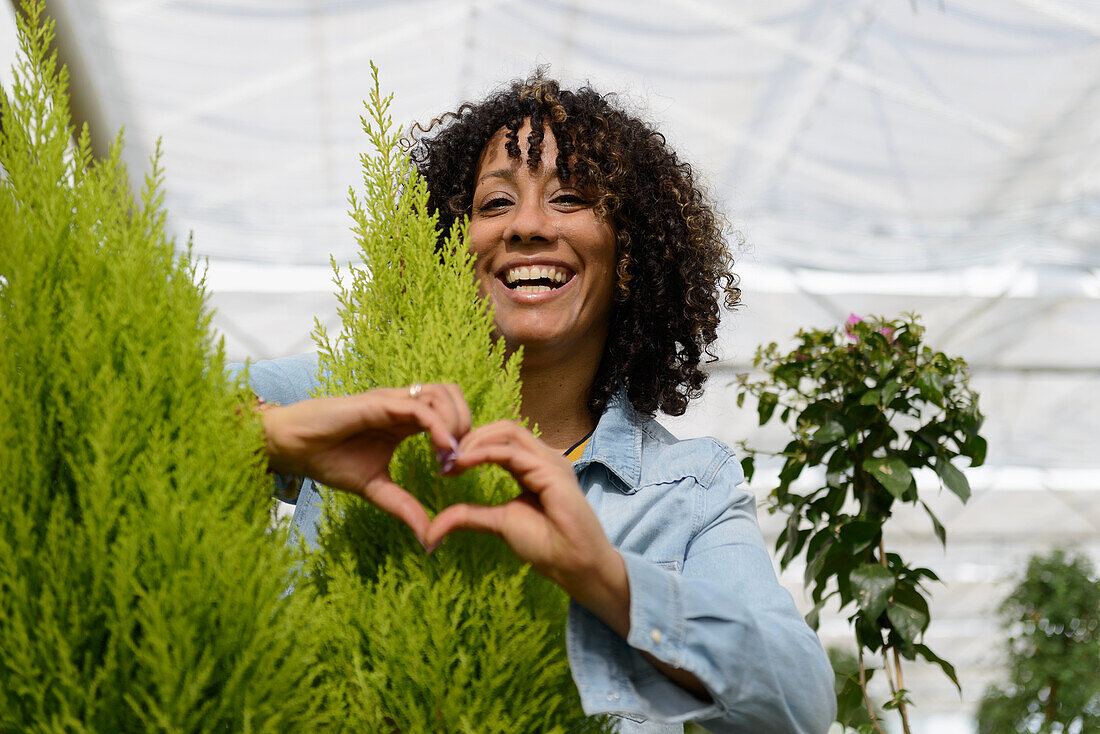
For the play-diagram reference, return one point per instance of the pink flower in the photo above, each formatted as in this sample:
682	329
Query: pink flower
887	332
852	321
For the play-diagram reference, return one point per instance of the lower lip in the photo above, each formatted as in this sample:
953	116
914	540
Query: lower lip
532	298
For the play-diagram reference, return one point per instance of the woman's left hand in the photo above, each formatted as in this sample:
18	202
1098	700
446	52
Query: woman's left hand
550	525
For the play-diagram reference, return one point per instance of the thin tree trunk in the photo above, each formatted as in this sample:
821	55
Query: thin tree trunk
901	687
866	698
894	687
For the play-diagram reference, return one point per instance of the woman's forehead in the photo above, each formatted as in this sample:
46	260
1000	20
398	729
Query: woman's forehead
495	153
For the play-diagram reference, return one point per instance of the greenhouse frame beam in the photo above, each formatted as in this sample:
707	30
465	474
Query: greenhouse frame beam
1036	151
839	180
1061	13
1010	333
806	97
853	73
299	72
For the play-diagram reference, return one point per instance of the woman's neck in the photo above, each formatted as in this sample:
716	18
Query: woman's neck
555	397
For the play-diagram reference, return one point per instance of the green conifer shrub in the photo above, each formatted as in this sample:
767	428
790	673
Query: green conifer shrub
140	586
468	639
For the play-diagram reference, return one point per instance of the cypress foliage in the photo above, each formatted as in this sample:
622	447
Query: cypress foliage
466	640
139	588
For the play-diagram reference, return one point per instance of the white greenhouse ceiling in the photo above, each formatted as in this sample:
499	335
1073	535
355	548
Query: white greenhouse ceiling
880	157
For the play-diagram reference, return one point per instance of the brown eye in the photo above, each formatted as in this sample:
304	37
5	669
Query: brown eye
494	202
571	200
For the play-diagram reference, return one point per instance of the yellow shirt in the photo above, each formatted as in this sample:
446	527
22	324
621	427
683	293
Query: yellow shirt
575	453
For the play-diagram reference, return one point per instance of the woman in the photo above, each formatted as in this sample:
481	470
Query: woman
605	262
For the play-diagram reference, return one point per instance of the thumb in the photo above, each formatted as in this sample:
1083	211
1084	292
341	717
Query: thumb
390	497
478	518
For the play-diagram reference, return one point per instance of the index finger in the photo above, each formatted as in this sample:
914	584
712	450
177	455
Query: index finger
420	416
465	420
447	400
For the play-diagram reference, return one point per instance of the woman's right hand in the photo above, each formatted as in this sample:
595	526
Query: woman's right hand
347	442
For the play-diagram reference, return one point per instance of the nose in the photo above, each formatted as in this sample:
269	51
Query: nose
530	223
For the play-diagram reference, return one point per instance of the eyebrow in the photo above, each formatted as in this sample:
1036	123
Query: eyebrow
505	173
509	174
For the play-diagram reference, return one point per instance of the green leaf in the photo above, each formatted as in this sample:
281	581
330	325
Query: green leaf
789	373
816	411
868	633
858	533
873	585
930	383
906	621
813	617
741	399
923	573
954	479
793	539
871	397
766	406
844	665
976	448
748	465
818	560
792	467
937	526
946	667
831	431
892	473
909	596
889	390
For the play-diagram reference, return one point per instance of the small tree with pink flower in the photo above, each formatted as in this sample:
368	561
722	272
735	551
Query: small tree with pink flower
867	404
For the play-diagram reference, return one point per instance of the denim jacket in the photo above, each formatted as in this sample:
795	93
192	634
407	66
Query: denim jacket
703	594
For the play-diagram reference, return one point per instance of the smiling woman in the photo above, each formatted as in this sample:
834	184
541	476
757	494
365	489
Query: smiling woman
546	260
605	262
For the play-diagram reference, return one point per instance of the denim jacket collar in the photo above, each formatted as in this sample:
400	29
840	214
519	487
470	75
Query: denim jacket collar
616	444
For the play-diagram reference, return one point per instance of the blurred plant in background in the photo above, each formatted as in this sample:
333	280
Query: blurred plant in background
1052	618
867	403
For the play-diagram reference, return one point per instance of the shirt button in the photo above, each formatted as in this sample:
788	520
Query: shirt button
613	697
655	635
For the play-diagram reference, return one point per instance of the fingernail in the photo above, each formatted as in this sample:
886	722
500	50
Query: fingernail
446	459
429	549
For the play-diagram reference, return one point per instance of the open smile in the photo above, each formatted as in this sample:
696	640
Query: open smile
535	278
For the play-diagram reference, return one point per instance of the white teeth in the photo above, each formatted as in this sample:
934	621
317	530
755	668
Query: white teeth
532	289
535	272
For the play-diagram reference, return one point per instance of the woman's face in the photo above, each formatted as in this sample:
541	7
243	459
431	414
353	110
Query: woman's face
544	257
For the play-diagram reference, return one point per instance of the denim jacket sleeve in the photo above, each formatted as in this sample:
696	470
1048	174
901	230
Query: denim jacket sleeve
703	598
726	619
284	381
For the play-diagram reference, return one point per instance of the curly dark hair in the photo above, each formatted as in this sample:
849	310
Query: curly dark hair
673	266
